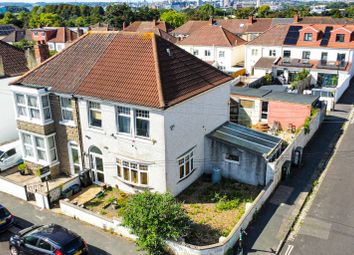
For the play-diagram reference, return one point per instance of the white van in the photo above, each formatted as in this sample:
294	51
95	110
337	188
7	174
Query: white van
10	155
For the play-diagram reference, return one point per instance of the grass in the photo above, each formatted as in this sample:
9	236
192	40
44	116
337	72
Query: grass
101	204
215	209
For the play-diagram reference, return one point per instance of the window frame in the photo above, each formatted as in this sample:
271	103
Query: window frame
254	52
90	110
308	37
196	52
227	159
125	115
340	38
272	53
207	53
221	54
136	117
75	145
306	55
121	166
66	109
187	157
287	51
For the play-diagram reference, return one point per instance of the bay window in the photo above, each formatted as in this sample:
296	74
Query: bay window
66	109
186	164
34	108
132	172
39	149
95	115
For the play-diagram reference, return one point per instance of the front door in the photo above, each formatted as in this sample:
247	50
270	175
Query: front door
264	114
97	167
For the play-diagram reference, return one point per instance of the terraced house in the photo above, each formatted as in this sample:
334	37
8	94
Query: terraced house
131	107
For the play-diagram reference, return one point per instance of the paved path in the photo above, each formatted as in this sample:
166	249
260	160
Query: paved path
328	227
100	242
276	217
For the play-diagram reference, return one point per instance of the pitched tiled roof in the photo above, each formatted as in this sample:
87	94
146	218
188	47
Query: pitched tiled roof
13	60
325	20
135	68
147	26
265	63
273	37
7	29
213	35
259	25
190	26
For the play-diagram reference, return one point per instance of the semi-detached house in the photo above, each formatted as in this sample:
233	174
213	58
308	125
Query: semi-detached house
132	107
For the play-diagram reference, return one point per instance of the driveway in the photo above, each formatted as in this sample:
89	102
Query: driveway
100	242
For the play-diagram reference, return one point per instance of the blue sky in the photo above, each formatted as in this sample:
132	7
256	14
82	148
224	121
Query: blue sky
56	1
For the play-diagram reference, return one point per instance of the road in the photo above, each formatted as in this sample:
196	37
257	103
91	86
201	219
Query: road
328	225
100	242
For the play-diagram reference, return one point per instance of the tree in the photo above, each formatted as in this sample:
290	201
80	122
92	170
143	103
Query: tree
7	19
350	12
154	218
119	13
45	19
174	18
243	13
24	44
206	11
263	11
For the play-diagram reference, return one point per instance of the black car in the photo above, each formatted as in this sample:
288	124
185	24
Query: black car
49	239
6	219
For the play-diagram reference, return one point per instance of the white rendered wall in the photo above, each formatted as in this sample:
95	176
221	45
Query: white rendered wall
8	131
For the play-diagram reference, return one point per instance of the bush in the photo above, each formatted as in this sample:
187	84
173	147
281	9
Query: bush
154	218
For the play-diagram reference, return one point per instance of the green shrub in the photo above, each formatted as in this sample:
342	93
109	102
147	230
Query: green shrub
224	204
154	218
22	167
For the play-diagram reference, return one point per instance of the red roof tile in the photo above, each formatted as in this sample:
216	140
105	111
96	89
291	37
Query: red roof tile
134	68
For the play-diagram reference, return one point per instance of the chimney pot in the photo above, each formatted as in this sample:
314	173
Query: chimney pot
250	19
296	18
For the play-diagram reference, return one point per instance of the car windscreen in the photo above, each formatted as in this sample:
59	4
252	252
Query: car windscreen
74	245
4	213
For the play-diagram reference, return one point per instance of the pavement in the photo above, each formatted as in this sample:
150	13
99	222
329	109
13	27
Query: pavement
99	241
270	228
327	226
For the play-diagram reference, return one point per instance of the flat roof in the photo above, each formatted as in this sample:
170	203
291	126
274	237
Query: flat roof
271	94
250	92
291	97
245	138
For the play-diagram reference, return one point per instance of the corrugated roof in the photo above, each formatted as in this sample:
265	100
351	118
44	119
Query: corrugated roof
246	138
134	68
13	59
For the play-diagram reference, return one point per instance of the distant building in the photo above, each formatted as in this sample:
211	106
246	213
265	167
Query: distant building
5	30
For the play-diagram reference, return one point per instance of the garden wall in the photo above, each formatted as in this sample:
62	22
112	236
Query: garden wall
13	188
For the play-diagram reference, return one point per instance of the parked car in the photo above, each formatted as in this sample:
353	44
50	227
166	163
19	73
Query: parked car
10	155
6	219
48	239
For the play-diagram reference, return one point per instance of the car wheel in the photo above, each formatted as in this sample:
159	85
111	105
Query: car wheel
13	250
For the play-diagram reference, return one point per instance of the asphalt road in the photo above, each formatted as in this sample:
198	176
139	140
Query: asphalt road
328	227
100	242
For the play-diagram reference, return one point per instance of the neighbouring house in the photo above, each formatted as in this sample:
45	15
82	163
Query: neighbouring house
247	29
286	111
7	29
125	106
18	35
100	27
13	63
242	153
325	50
57	38
160	28
216	46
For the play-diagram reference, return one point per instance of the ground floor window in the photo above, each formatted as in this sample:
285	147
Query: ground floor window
132	172
327	80
39	149
186	164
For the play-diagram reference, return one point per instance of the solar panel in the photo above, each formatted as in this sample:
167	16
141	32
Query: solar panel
326	36
293	35
6	29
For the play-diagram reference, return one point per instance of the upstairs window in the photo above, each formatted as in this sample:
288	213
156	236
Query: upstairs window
142	123
207	53
46	108
306	55
287	53
33	107
340	37
95	115
195	52
308	37
221	54
272	53
35	33
124	120
66	109
21	105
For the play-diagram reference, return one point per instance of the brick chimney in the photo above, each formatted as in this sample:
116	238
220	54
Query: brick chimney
79	32
296	18
211	20
31	58
41	52
251	20
124	25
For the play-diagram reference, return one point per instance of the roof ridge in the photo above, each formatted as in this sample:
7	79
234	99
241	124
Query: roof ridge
47	60
223	32
157	72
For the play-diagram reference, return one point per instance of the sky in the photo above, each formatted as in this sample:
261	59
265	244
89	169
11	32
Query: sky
55	1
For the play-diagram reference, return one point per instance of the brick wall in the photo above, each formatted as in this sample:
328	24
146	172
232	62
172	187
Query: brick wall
35	128
287	113
64	133
54	170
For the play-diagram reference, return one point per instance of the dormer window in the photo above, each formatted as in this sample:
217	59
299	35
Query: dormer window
308	37
339	37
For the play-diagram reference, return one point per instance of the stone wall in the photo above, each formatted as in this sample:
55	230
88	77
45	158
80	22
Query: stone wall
35	128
